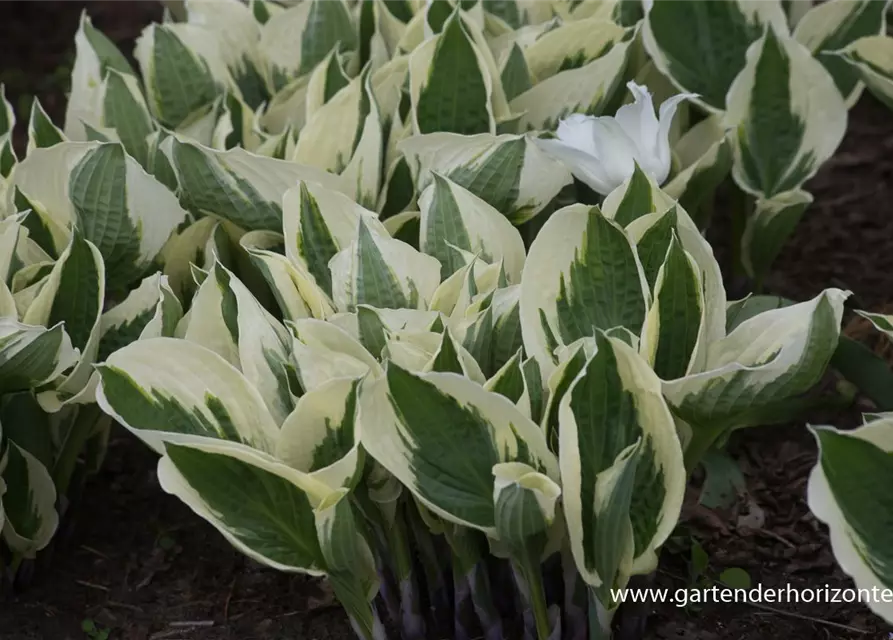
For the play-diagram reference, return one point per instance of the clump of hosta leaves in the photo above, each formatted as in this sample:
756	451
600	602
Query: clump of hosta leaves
81	226
423	419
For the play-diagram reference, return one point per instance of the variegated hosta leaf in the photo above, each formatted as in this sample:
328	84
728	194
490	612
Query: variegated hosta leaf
431	351
450	85
364	172
43	180
301	37
31	356
243	188
509	172
349	561
570	46
318	223
594	282
287	107
525	504
262	507
123	210
182	71
673	338
29	502
372	326
123	109
872	57
587	89
831	26
380	271
152	310
787	115
334	130
768	228
320	436
95	55
72	293
228	320
751	373
701	46
705	158
845	492
618	517
184	248
652	234
515	73
440	434
323	351
294	289
172	390
237	34
881	322
452	217
41	130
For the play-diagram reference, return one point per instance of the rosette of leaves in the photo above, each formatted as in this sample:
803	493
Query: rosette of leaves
436	390
81	227
780	78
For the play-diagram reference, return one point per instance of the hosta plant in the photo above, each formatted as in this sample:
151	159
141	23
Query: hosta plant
81	225
843	486
426	421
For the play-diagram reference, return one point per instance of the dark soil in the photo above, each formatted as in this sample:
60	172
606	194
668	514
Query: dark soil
139	563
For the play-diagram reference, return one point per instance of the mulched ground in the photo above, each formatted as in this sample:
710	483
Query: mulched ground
136	562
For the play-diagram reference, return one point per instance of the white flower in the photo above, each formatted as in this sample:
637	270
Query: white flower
601	151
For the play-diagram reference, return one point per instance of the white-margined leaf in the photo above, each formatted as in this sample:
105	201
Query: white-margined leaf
243	188
124	109
595	282
570	46
29	502
615	403
73	293
431	351
122	210
318	223
508	172
323	351
320	437
41	130
379	271
768	228
452	216
587	89
831	26
705	159
673	338
31	356
450	83
263	507
172	390
302	36
701	46
152	310
787	115
182	72
844	493
768	359
440	434
95	54
872	58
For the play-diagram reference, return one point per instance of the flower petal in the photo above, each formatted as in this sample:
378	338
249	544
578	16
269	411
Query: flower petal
584	166
577	131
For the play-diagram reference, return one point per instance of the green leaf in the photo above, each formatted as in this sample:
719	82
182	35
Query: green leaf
450	91
735	578
179	83
831	26
328	25
871	58
701	46
675	322
768	229
254	502
441	434
124	109
788	116
41	130
515	74
723	481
